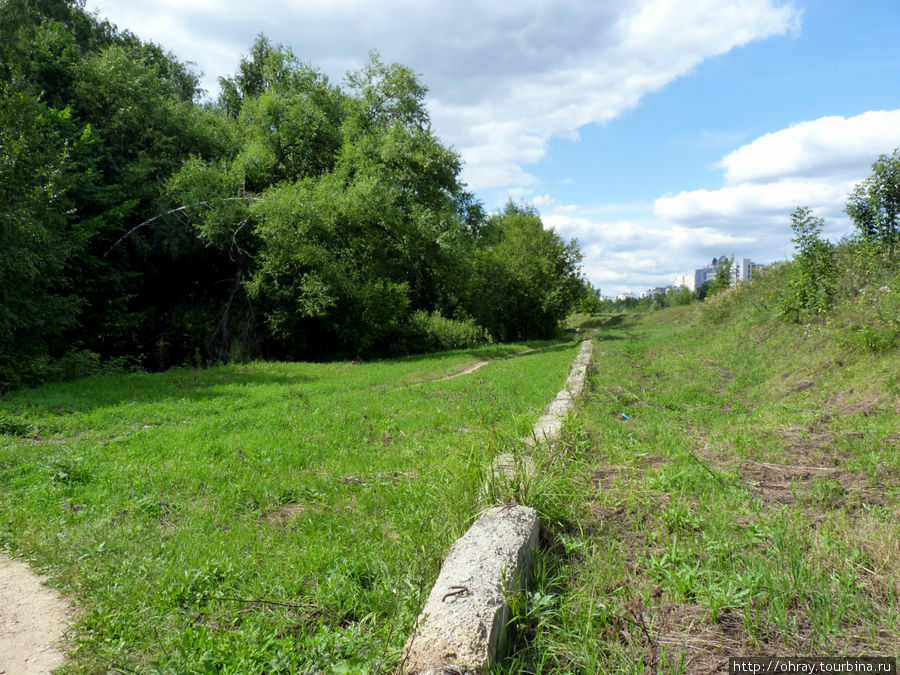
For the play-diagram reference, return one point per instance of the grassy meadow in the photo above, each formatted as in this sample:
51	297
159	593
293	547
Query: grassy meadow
268	517
732	488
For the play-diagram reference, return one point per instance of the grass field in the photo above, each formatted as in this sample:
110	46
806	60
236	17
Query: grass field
262	517
734	490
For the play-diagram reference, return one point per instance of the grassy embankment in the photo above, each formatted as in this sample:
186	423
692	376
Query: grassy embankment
258	518
748	505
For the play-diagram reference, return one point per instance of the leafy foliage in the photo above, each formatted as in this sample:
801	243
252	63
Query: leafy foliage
432	332
35	177
811	286
722	280
293	218
874	205
113	286
526	278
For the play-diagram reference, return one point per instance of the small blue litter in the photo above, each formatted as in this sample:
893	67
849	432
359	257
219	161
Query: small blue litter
625	416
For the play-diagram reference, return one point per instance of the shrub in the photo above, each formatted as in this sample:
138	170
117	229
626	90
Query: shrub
433	332
13	426
812	283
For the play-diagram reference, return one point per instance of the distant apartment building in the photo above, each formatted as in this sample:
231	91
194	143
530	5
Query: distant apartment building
740	271
659	290
743	270
700	275
690	280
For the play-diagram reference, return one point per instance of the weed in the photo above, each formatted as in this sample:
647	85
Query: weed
12	426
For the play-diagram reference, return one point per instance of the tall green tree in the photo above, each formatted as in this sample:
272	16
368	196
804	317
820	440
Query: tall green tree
131	121
812	282
526	278
874	205
36	173
349	209
722	280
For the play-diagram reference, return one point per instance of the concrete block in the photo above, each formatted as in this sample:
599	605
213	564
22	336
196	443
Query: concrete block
464	618
549	426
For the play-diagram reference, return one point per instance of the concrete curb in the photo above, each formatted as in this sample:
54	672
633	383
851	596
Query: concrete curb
549	426
464	618
462	628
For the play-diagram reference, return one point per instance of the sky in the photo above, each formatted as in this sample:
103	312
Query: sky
659	133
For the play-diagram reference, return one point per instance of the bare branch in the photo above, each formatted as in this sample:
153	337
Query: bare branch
179	210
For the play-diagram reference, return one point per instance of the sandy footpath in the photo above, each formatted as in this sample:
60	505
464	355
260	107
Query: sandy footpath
33	619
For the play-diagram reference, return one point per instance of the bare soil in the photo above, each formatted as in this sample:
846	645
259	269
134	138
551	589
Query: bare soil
467	371
33	621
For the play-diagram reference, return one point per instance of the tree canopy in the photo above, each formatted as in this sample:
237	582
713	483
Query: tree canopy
874	205
291	218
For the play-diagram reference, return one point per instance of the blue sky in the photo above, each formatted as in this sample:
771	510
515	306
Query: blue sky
843	62
660	133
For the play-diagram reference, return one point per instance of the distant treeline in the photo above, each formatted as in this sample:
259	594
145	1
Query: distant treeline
291	218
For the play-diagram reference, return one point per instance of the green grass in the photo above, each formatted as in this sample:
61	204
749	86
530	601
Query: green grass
749	506
258	518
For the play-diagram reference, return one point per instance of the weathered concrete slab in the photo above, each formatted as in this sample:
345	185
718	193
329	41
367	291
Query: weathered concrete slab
549	426
465	615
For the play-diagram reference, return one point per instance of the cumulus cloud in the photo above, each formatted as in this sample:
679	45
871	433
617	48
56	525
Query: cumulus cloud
827	147
627	256
505	78
815	163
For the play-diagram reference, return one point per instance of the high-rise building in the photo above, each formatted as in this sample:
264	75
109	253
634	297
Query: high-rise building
743	270
700	275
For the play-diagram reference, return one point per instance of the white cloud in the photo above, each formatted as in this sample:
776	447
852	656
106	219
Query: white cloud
815	163
737	207
504	78
827	147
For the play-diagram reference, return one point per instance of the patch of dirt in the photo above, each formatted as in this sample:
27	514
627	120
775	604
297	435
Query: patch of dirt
803	385
778	483
682	637
814	472
467	371
706	645
850	402
33	622
286	513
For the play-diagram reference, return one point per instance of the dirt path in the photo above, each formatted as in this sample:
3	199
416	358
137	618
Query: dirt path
33	619
470	369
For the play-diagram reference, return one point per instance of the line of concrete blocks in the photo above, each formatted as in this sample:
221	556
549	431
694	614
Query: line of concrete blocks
462	627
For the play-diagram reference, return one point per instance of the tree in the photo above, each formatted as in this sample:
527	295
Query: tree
526	278
591	301
811	286
722	280
130	121
344	211
874	205
36	173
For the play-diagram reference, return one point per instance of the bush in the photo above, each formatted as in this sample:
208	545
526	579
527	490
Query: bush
813	279
433	332
12	426
868	314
